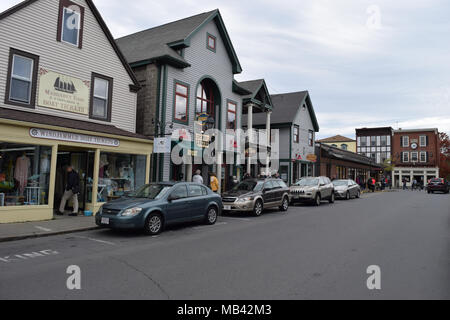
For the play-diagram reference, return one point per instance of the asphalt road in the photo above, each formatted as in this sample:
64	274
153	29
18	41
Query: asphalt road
306	253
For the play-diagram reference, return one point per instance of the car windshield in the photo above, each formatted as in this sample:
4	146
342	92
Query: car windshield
308	182
151	191
250	185
340	183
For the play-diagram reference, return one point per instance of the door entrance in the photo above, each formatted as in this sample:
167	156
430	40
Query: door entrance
82	163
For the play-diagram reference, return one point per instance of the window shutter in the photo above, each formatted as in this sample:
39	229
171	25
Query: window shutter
428	141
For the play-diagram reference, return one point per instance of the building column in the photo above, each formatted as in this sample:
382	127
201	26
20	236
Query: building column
189	172
96	177
250	135
268	125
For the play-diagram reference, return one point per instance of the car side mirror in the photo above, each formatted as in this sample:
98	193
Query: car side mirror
172	198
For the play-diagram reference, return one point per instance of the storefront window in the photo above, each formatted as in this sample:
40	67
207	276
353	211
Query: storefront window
120	174
24	174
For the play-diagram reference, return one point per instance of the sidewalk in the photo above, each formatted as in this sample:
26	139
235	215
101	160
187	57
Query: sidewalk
60	225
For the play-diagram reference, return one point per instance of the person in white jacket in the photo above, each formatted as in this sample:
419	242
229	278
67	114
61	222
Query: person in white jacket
198	177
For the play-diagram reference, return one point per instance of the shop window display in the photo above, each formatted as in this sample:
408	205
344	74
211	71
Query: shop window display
24	174
120	174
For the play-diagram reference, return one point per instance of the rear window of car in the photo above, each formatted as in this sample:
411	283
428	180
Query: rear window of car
437	180
195	191
282	184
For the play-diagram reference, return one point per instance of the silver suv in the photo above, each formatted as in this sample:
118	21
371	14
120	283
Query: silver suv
256	195
313	190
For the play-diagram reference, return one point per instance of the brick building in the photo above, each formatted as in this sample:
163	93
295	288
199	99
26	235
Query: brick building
415	155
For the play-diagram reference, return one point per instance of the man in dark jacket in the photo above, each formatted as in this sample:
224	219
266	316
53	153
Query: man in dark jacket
371	184
71	191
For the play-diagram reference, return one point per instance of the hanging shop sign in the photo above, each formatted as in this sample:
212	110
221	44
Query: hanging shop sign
202	140
311	157
61	92
73	137
162	145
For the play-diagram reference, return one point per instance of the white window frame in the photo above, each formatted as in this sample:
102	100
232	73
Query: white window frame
423	153
405	159
425	141
106	99
405	145
30	80
63	21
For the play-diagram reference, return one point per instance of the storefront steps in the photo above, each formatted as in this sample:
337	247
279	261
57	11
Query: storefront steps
60	225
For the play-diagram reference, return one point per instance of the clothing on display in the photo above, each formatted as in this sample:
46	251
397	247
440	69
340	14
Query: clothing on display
120	174
24	174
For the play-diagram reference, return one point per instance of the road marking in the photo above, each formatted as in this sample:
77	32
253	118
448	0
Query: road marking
43	229
239	219
97	240
28	256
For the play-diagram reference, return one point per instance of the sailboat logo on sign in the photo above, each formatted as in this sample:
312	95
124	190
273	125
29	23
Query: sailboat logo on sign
64	86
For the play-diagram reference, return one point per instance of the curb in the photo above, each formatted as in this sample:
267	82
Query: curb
45	235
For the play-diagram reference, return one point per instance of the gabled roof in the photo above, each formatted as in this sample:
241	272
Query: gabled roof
102	24
254	87
161	43
285	110
337	138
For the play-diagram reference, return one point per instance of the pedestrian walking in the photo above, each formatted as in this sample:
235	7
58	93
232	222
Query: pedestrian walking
371	184
197	178
214	182
405	184
71	192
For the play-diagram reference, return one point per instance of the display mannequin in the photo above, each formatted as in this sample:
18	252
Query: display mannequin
21	172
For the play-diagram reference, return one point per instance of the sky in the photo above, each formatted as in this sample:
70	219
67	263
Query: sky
365	63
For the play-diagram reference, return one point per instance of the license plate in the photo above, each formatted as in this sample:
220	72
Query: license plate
227	208
105	221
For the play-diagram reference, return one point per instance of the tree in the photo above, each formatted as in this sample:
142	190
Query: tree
388	166
445	155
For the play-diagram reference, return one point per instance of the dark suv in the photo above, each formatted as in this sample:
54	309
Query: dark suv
438	185
255	195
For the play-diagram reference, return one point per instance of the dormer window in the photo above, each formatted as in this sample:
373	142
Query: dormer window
70	23
211	42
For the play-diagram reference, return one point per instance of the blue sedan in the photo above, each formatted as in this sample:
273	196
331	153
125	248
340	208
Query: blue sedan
155	206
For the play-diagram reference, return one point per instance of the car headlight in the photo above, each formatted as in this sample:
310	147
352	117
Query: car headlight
131	212
246	199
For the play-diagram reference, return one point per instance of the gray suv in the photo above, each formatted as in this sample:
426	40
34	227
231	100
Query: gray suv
256	195
313	190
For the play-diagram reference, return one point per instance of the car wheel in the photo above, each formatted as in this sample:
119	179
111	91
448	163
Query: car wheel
154	224
259	207
332	198
211	216
285	204
318	200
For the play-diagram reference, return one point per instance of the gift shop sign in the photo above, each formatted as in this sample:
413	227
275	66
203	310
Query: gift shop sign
64	93
73	137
